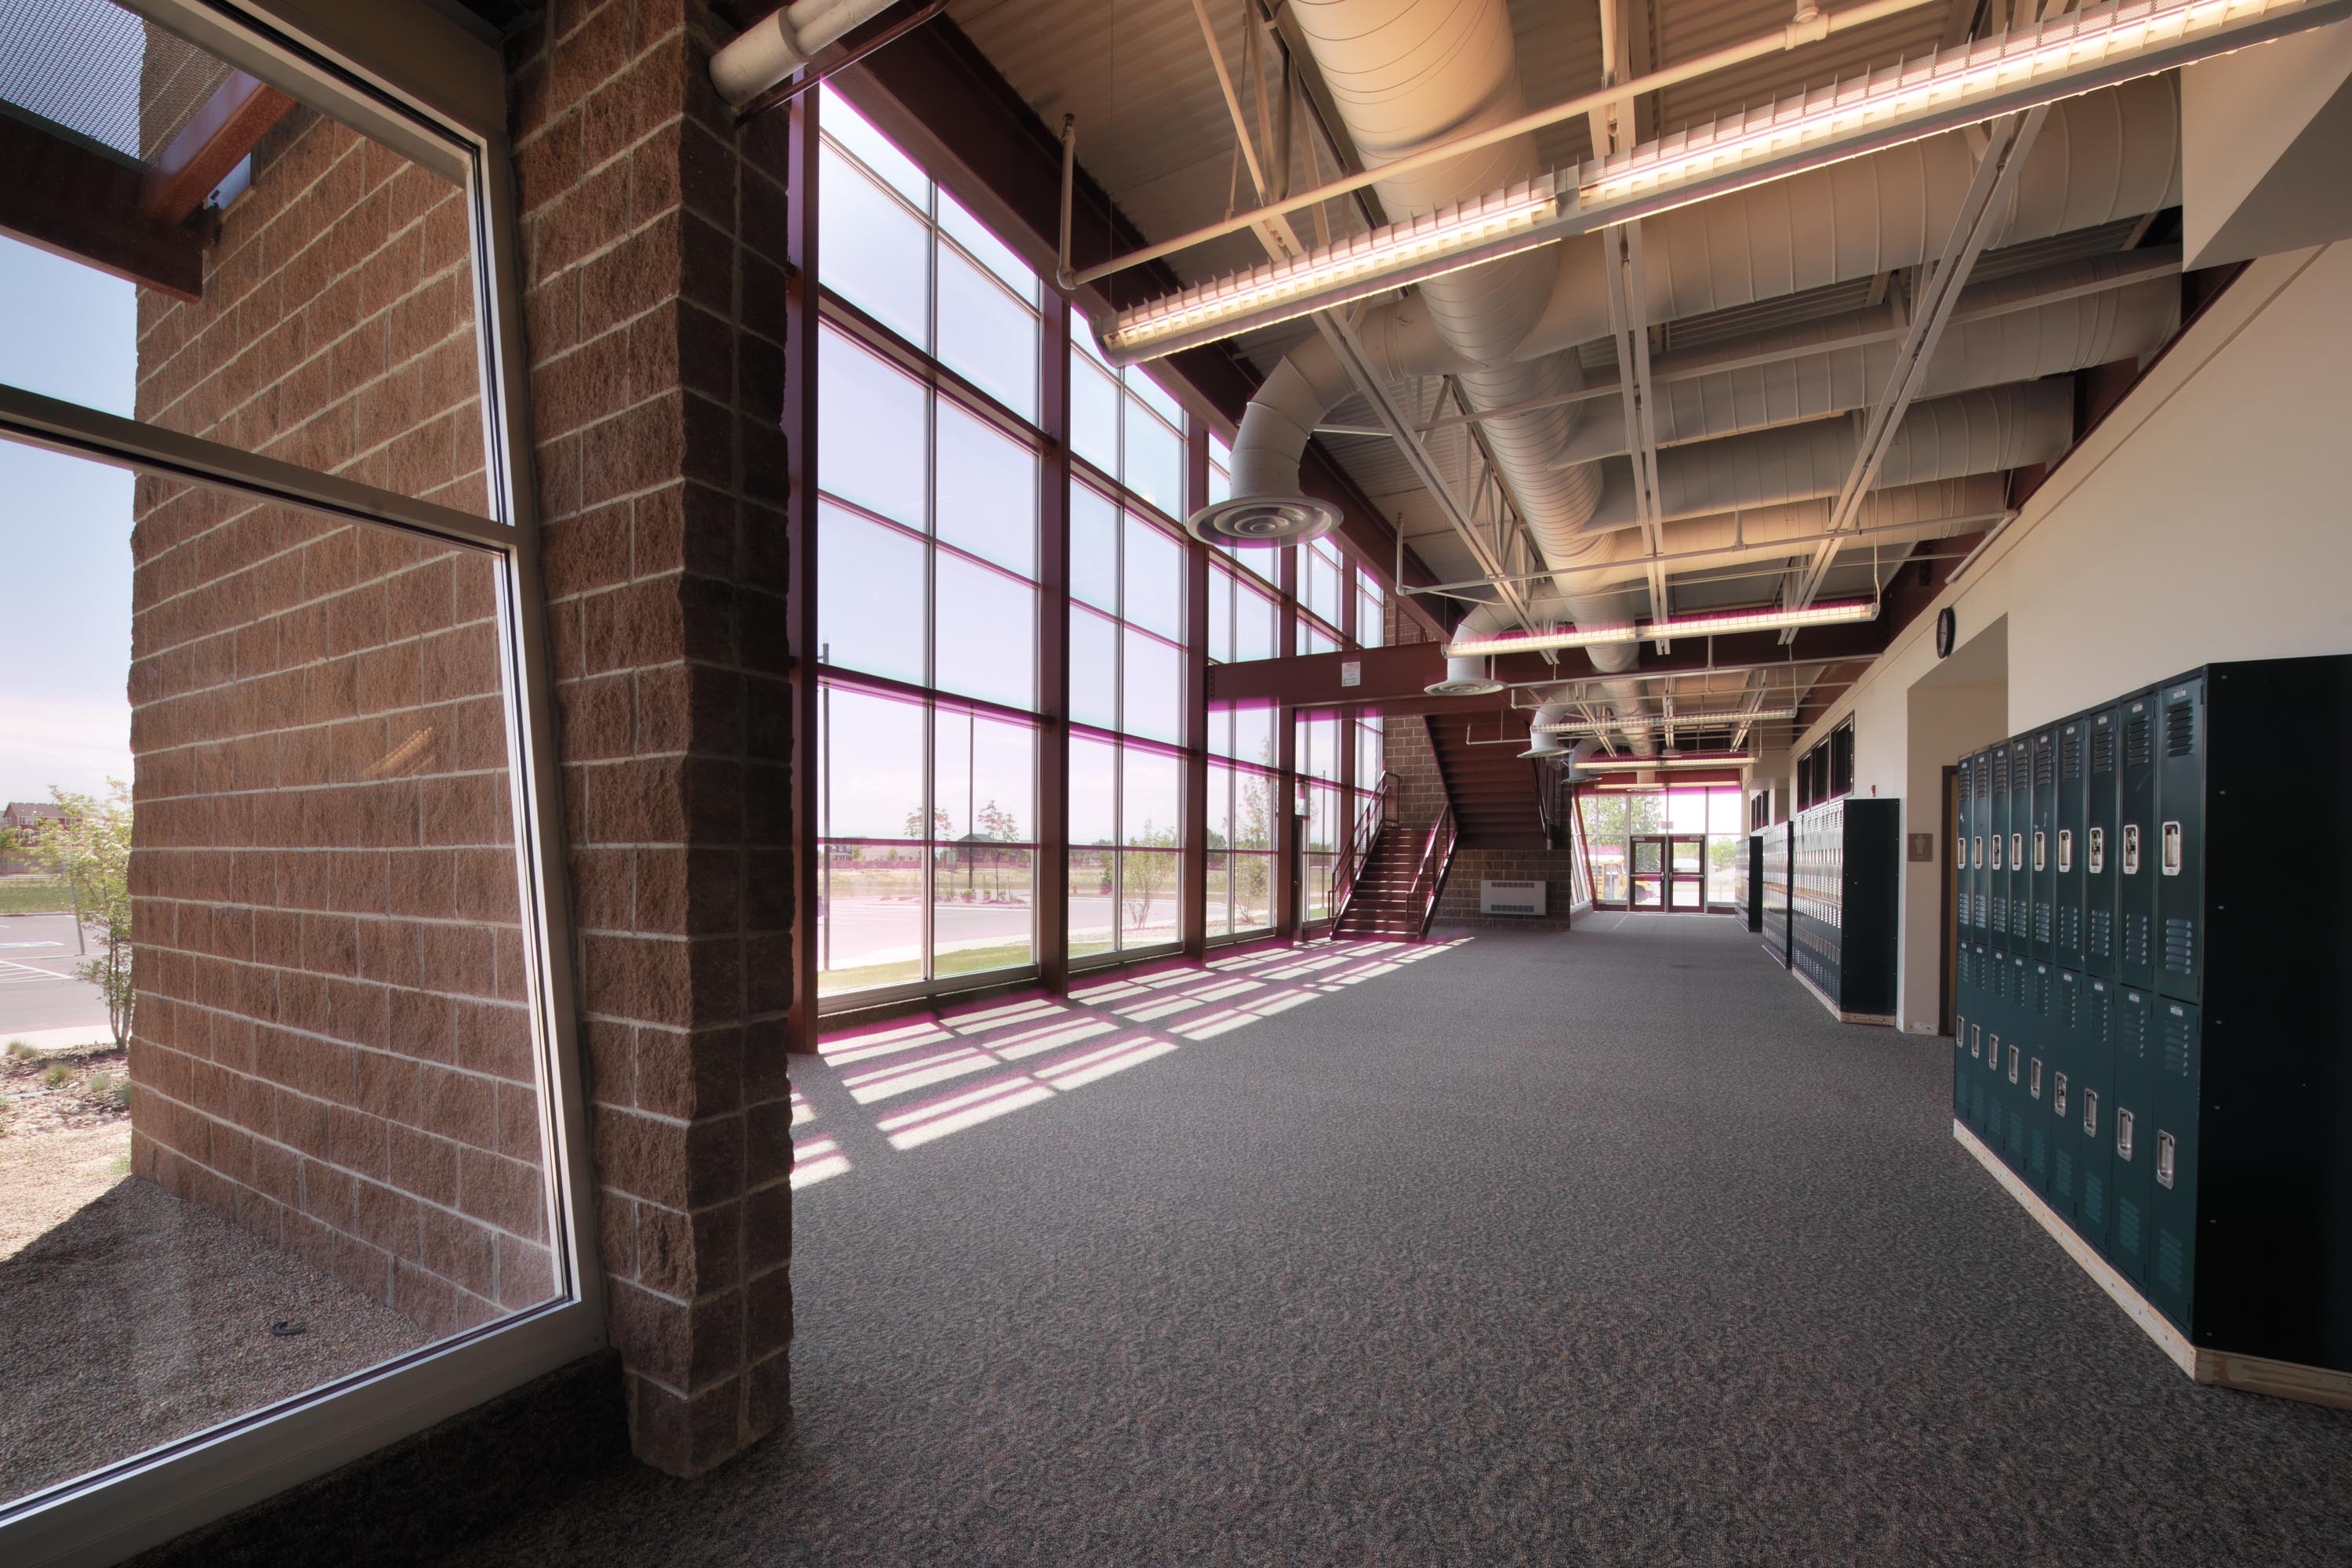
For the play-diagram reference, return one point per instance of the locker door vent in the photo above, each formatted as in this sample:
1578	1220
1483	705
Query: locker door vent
2179	946
2103	750
2070	754
2179	729
2095	1197
2134	938
2131	1037
2062	1173
2070	927
2127	1238
2044	771
2135	752
2103	934
2042	922
2168	1260
2000	771
2176	1046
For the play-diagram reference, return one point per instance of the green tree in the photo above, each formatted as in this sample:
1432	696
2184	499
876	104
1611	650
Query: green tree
1141	876
942	825
90	849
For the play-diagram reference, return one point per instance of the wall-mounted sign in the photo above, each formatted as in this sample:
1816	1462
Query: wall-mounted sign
1351	672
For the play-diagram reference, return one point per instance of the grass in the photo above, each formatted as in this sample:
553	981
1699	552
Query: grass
57	1075
962	961
35	896
21	1051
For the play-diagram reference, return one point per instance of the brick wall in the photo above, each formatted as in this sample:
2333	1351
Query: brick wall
654	250
331	1044
1420	794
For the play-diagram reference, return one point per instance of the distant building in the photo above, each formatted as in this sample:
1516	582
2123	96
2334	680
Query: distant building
28	816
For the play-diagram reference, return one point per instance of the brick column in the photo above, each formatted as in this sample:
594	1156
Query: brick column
652	245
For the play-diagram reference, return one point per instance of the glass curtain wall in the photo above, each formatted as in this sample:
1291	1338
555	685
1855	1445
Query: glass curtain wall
1127	646
928	558
1608	821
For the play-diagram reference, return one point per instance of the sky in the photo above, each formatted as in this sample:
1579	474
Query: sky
65	535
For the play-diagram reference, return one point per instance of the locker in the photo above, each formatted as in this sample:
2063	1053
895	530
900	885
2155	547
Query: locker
2180	841
2130	1134
1980	826
2136	849
2029	1073
2099	874
2059	1051
1997	848
2089	1092
2012	1066
2066	839
2042	844
1979	1109
2020	828
1963	900
2172	1155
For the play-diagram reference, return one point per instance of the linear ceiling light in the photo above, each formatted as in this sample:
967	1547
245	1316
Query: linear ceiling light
1720	623
2068	55
1483	228
1658	721
1685	760
1538	642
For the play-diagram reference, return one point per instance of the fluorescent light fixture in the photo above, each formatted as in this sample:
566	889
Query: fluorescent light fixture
2077	52
1686	759
1658	721
1537	642
1619	788
1483	228
1718	623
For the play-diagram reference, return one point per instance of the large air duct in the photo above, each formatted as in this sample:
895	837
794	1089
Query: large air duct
1404	74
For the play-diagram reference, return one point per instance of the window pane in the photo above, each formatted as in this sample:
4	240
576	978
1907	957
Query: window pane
1687	811
1154	682
1094	669
1147	882
1093	791
1313	640
1371	620
988	335
1220	615
1217	907
851	128
1323	584
333	1106
985	774
1151	783
876	254
1221	483
1253	735
873	591
871	443
1155	462
1255	619
869	916
1155	580
990	251
1093	898
1094	408
1093	549
1723	811
1141	382
987	632
1319	757
869	766
988	491
1254	805
983	915
1253	890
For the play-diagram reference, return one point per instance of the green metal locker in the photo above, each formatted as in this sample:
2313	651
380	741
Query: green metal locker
1978	1111
1980	826
2020	828
2012	1072
2172	1153
2136	853
2059	1057
2066	839
2042	846
2180	842
2099	851
1996	843
1963	902
2032	1078
2090	1095
2130	1135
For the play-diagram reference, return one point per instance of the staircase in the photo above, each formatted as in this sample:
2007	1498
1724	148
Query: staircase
1497	796
1389	903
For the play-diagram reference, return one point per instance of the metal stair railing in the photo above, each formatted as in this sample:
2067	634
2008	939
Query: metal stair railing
1357	853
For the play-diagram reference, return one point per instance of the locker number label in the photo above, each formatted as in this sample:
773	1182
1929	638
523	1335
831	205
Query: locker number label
2040	849
2131	848
2094	859
2172	850
2066	849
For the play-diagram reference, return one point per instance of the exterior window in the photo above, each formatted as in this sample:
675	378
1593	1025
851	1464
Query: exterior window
1123	423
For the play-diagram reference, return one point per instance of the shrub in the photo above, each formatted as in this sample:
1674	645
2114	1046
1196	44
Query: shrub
21	1051
57	1075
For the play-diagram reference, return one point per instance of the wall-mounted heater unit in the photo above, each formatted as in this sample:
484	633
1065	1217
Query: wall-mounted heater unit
1510	897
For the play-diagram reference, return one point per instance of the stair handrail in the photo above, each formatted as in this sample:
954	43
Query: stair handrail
1441	827
1358	850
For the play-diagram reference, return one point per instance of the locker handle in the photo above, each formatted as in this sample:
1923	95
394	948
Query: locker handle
2124	1135
2066	849
2172	850
2091	1112
2058	1094
2095	861
2164	1157
2131	848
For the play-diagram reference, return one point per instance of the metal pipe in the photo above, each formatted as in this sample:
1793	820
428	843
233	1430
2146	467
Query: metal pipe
1789	37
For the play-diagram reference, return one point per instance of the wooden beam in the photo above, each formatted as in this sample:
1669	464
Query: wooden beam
217	138
75	198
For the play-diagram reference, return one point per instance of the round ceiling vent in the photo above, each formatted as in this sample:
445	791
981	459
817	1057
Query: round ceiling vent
1463	686
1263	521
1546	746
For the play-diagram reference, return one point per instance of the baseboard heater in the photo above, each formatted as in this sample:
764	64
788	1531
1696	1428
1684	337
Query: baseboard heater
1501	898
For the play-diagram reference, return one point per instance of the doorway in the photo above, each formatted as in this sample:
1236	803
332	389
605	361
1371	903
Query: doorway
1670	872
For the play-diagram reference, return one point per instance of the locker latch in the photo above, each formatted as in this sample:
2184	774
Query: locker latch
2040	849
2131	848
2066	850
1996	852
1976	1040
2164	1156
2058	1094
2017	850
2033	1079
2095	861
2172	850
2090	1113
2122	1134
2013	1054
1976	853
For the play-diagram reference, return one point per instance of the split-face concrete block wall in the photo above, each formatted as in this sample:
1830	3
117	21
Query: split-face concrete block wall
334	1042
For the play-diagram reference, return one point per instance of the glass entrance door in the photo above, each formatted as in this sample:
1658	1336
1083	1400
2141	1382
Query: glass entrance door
1649	872
1686	874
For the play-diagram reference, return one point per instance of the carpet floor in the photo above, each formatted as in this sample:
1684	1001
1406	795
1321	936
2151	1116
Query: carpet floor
1606	1247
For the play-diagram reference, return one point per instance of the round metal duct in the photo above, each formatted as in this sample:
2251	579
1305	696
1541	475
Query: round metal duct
1263	521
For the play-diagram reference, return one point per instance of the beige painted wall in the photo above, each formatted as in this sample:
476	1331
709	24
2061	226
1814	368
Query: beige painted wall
2209	517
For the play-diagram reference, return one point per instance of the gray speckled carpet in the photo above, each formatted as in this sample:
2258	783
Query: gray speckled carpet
1606	1246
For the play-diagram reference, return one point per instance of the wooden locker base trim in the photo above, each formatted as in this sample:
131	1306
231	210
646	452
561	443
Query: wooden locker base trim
2220	1369
1823	998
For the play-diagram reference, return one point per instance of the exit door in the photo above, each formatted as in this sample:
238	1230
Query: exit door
1670	872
